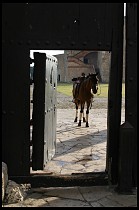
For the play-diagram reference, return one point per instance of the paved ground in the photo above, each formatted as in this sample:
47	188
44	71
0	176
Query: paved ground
96	196
79	150
65	102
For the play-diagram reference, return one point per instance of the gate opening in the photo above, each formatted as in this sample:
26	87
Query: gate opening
78	150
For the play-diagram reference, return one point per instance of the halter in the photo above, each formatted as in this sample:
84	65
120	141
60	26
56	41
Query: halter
95	85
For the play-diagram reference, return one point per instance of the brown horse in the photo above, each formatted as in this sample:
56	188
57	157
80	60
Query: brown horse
83	94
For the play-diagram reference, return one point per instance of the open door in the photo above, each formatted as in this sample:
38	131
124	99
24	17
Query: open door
44	110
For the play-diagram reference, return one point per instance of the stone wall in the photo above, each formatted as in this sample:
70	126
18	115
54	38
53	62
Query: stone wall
69	66
61	68
105	61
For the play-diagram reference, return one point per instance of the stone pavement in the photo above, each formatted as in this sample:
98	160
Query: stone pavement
93	196
78	150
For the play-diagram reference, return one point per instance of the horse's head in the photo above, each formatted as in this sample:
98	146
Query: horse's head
94	80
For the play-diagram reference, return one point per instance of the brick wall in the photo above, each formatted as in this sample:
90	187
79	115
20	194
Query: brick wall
70	66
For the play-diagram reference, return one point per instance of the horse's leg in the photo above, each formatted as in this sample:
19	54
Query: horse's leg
81	113
84	117
76	117
87	114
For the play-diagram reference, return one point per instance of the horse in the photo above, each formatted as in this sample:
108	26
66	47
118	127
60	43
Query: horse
83	93
75	91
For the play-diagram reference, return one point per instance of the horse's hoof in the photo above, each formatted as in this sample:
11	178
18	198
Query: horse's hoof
79	124
87	125
84	119
75	119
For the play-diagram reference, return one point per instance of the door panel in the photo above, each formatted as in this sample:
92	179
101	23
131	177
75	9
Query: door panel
44	115
38	111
